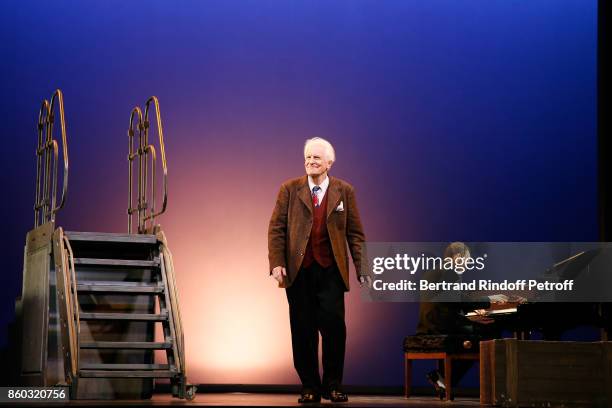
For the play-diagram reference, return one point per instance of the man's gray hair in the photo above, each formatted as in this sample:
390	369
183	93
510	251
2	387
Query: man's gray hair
457	249
330	153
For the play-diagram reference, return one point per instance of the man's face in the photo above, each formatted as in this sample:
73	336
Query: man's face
315	161
459	260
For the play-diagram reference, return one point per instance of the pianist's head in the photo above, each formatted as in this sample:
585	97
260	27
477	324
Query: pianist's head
459	252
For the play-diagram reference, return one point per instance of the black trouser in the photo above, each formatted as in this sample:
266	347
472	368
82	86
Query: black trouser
316	304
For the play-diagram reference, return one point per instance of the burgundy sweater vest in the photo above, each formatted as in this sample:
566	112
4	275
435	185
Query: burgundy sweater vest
319	246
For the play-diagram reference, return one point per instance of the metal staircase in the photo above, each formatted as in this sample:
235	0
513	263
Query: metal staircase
115	294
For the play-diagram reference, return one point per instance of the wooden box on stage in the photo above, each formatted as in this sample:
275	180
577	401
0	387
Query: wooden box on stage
517	373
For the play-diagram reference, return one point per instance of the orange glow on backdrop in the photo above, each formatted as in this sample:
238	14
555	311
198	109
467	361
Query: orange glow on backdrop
236	320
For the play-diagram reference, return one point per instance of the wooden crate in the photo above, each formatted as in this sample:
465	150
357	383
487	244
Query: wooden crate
525	373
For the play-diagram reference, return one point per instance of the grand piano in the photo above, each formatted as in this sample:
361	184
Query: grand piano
553	316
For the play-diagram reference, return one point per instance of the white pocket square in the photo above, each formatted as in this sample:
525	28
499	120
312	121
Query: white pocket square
340	207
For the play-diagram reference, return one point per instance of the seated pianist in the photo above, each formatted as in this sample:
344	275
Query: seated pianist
447	317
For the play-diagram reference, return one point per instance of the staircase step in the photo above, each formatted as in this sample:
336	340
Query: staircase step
121	263
100	366
118	287
163	316
111	237
127	374
144	345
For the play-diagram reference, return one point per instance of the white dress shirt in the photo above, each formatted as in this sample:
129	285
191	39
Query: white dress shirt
323	185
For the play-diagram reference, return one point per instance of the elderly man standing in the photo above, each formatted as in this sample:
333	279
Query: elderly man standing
314	217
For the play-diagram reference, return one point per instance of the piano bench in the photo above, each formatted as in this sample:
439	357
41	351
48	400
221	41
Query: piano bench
444	348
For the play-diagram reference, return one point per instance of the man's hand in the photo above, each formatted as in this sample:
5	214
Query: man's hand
481	317
279	273
518	299
365	281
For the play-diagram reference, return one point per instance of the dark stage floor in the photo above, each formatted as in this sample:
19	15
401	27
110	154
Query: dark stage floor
286	400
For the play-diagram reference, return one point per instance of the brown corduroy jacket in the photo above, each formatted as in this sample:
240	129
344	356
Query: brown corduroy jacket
291	223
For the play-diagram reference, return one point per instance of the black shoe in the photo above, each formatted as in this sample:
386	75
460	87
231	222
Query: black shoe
336	396
309	397
437	381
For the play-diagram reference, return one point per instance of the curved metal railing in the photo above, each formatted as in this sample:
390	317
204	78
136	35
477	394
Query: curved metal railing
146	154
47	155
74	300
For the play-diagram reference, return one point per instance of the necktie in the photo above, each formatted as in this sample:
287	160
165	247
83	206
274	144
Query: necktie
315	197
